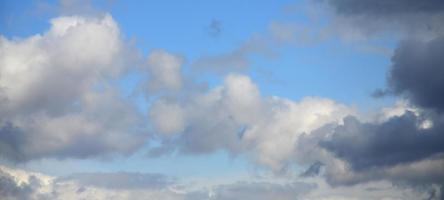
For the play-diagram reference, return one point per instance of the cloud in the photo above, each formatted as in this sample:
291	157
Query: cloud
121	180
70	7
398	141
214	28
313	170
130	185
384	8
407	17
236	118
164	71
19	184
417	71
368	191
11	190
261	191
404	143
58	99
168	118
235	60
63	55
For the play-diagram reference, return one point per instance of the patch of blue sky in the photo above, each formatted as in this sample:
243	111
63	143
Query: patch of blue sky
180	27
331	69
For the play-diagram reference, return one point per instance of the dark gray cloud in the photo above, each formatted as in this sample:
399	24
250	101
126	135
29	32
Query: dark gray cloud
417	72
400	140
386	8
121	180
399	149
404	17
11	140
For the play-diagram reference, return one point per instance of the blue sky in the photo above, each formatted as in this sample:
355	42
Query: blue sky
223	96
306	69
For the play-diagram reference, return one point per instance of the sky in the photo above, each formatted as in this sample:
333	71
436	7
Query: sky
222	100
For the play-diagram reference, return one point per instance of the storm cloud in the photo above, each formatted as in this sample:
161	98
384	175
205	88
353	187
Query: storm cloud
405	18
399	140
417	73
383	8
407	145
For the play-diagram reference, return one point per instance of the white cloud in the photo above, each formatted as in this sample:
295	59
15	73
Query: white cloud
275	140
125	185
167	118
57	95
235	117
164	71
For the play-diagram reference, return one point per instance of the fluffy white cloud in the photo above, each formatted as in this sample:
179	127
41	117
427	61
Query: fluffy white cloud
168	118
275	140
235	117
57	95
164	71
51	71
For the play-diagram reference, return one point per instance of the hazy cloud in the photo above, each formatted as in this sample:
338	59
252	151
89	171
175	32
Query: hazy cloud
235	60
214	28
262	191
121	180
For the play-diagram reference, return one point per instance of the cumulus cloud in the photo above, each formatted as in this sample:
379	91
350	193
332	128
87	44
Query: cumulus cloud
404	143
235	117
164	71
63	55
11	190
57	99
57	95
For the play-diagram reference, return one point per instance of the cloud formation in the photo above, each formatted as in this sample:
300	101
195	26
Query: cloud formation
405	145
417	72
405	17
58	100
236	60
121	180
397	141
57	95
235	117
19	184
